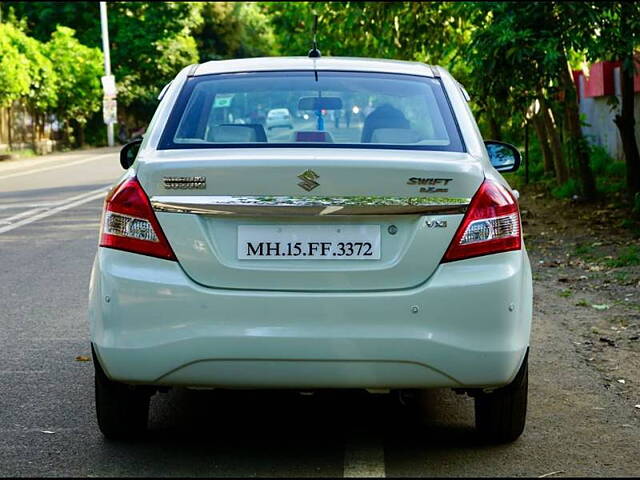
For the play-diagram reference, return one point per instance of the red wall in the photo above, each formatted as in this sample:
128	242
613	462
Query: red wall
599	83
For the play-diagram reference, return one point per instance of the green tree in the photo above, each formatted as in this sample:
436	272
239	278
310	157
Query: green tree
521	52
42	95
14	67
78	70
150	41
402	30
35	78
234	30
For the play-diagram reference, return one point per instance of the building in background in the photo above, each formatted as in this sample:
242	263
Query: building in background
596	92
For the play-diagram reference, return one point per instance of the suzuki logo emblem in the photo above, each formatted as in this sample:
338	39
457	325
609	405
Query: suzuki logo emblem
308	180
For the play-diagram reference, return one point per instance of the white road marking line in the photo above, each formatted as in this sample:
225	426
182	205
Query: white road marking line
54	203
364	456
10	220
86	197
13	206
55	158
61	165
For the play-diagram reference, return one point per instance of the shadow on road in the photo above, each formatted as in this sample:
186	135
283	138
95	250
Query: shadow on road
263	432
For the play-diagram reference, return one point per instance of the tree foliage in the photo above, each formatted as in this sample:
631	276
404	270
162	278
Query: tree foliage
234	30
150	41
15	80
402	30
24	57
78	69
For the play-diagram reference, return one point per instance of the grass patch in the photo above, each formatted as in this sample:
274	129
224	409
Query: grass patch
565	293
24	153
566	190
582	303
621	277
583	251
627	257
632	225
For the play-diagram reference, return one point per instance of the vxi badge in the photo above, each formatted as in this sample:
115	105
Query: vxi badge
432	184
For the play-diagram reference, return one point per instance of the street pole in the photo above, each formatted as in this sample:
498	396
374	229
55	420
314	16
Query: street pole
107	59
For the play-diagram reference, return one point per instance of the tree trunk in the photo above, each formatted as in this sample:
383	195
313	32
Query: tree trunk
562	174
625	121
578	143
34	130
75	129
543	139
43	126
66	137
10	127
81	134
494	128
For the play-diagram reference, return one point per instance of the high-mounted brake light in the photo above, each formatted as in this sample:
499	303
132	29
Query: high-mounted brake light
128	223
491	225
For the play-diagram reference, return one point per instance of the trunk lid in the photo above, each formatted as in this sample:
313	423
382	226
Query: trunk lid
412	239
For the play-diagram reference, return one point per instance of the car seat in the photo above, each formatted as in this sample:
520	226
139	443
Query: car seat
385	116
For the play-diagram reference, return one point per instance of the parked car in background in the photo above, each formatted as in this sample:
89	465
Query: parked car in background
386	256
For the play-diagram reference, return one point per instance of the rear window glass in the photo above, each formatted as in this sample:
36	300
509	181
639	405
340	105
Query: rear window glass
319	109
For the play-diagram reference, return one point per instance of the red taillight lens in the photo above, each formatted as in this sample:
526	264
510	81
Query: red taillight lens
128	223
491	225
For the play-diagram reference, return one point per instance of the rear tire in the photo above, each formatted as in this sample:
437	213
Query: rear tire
122	410
501	414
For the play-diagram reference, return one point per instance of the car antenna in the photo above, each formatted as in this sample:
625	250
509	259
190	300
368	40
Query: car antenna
314	52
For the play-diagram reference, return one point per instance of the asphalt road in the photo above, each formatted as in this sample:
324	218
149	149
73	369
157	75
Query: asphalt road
49	214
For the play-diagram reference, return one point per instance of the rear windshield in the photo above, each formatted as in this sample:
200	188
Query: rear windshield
312	109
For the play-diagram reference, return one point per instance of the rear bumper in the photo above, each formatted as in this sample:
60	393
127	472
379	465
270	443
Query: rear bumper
151	324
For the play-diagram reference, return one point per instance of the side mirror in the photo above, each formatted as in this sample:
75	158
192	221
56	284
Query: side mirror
503	156
129	152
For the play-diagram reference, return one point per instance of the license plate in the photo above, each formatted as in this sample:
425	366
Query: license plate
309	242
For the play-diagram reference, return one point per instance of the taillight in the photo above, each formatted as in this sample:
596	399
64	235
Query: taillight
128	223
491	225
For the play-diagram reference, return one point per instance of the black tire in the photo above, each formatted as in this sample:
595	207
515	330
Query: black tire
122	410
501	414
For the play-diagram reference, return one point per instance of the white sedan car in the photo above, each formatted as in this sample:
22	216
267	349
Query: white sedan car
387	255
279	117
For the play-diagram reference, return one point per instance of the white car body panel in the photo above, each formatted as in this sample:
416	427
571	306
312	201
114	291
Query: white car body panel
159	327
408	321
305	63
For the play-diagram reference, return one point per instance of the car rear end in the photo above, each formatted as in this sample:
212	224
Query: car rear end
391	259
279	118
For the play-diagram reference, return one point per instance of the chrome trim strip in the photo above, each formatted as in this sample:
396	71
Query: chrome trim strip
308	206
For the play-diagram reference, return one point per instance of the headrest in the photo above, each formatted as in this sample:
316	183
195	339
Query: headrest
395	135
231	134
